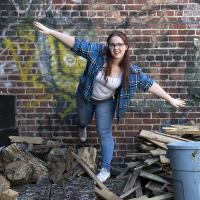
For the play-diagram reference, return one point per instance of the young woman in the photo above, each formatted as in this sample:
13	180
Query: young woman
106	87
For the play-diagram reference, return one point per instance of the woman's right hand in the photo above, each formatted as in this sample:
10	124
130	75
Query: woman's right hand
65	38
42	29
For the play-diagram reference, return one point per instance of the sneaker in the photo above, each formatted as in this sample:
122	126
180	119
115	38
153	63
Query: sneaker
103	175
82	134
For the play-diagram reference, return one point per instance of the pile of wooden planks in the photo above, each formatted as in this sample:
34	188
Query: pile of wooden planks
100	189
149	173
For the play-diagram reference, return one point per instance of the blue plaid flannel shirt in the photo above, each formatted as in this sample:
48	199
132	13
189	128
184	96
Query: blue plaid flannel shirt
93	53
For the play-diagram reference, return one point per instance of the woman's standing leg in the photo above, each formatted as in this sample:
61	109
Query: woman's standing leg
104	112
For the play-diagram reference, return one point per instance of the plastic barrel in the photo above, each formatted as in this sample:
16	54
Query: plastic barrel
185	163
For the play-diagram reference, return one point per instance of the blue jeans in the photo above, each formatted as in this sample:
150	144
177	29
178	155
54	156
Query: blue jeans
104	112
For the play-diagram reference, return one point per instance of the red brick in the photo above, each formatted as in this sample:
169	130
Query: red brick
16	90
151	121
194	115
34	90
133	121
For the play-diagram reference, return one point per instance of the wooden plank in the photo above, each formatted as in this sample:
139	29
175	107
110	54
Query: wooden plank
150	161
132	164
182	132
29	140
160	144
138	192
129	192
103	192
155	186
161	197
173	136
106	194
8	195
154	169
157	137
158	152
144	197
164	159
145	147
154	177
132	179
123	173
182	129
88	170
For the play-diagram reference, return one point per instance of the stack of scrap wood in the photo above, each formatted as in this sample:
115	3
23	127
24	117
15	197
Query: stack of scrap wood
149	174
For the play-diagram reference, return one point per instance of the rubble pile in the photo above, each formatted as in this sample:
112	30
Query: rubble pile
69	175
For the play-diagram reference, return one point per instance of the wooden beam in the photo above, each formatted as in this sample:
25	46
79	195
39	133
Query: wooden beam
106	194
129	192
138	192
154	177
29	140
158	152
88	170
172	136
155	186
164	159
144	197
132	179
181	129
161	197
158	137
103	192
150	161
160	144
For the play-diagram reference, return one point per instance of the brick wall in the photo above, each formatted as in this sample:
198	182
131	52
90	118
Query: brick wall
43	74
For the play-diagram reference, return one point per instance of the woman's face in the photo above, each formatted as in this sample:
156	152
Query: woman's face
117	47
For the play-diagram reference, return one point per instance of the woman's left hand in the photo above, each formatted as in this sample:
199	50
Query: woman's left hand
177	103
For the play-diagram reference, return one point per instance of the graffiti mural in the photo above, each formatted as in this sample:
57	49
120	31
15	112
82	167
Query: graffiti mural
59	69
61	72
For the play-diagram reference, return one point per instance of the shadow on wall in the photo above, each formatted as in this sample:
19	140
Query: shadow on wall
194	74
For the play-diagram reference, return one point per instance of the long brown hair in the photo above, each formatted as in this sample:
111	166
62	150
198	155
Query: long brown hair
125	62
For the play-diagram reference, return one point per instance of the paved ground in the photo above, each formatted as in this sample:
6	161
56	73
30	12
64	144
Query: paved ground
76	188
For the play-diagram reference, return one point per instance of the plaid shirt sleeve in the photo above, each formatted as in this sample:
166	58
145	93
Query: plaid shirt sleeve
84	48
144	81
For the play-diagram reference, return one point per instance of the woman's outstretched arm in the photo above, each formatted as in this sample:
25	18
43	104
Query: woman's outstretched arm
66	39
158	91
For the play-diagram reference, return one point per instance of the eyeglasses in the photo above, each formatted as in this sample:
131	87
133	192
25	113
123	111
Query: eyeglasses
118	45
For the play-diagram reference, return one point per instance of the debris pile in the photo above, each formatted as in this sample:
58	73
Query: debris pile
147	175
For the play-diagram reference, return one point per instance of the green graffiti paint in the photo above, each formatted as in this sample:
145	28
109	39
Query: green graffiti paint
64	69
25	44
